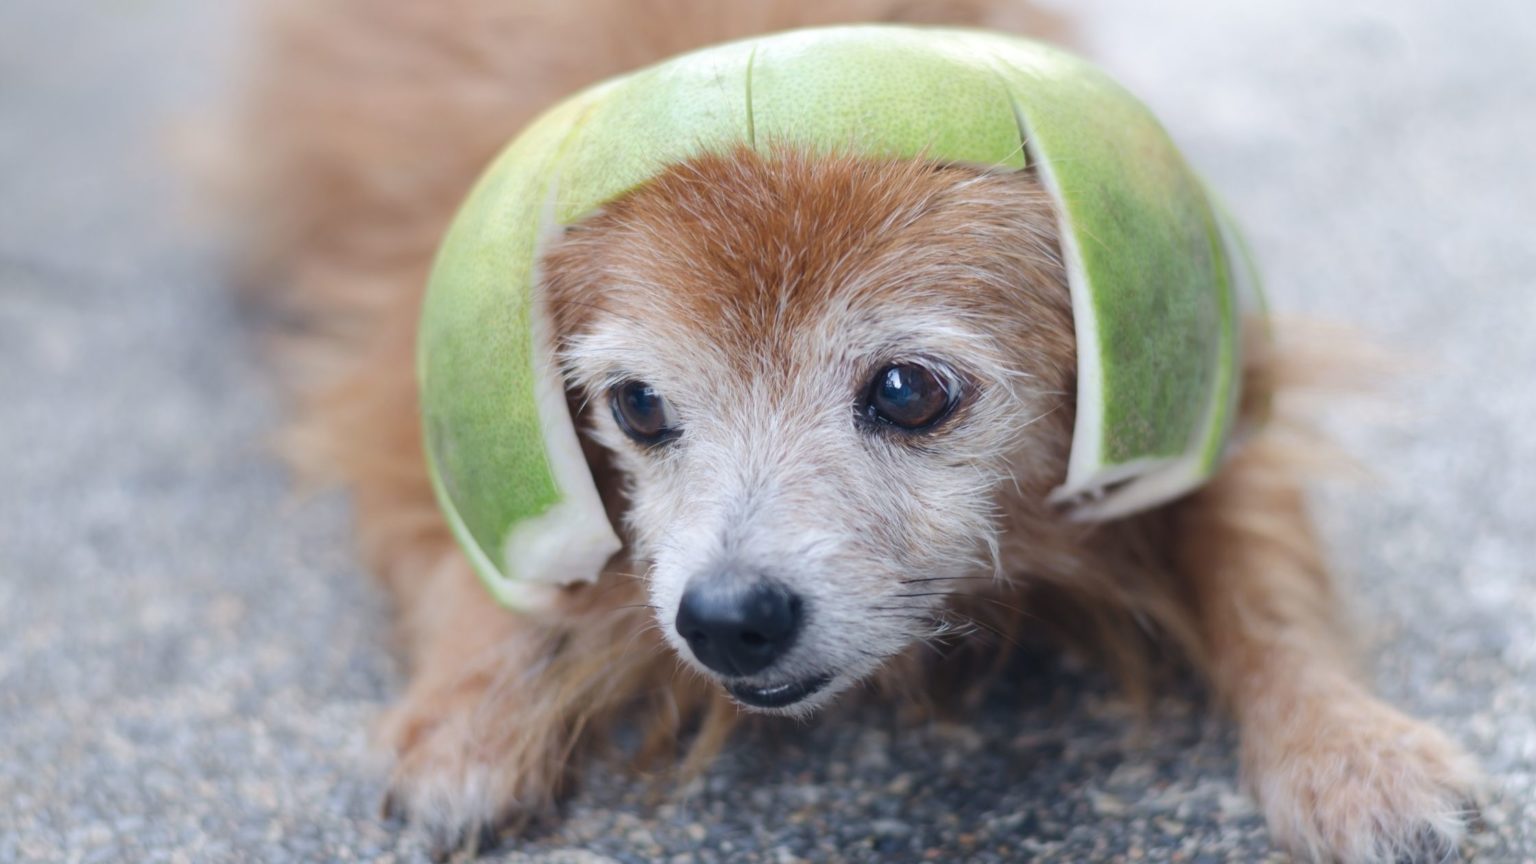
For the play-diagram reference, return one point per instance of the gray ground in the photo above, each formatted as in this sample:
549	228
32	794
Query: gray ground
189	658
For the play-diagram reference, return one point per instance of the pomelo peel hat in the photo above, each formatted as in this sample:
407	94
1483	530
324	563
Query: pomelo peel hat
1158	273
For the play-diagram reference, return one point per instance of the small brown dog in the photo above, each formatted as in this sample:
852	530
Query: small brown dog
368	120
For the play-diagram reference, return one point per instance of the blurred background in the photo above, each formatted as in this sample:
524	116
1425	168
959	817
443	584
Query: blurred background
190	660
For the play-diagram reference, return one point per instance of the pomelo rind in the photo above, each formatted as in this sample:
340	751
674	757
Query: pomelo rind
1153	264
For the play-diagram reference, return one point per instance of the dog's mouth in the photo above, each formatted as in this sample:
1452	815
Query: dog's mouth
778	695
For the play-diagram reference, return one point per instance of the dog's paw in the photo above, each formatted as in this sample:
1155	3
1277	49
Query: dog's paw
455	777
1347	778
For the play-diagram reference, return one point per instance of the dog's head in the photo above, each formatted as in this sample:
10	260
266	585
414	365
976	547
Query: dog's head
828	383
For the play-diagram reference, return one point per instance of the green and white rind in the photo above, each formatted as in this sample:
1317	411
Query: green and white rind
1151	286
501	448
1150	261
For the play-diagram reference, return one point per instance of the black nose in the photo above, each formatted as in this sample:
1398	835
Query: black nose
738	630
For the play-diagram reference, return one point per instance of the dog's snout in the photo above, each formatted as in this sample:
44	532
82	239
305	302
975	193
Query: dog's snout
737	630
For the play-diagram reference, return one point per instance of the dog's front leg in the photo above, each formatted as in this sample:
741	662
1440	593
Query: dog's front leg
1340	775
502	703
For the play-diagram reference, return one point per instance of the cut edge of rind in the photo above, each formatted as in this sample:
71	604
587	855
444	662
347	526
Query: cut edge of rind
1085	458
508	592
574	536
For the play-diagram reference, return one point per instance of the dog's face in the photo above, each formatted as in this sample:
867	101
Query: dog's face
827	383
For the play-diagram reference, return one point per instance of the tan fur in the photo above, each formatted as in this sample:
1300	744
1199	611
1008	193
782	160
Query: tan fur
765	283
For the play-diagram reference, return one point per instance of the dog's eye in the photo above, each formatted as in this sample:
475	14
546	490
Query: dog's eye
908	396
643	413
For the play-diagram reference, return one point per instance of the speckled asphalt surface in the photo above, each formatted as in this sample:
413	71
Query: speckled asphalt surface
190	661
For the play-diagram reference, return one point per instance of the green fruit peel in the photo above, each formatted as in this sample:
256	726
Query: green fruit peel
1157	271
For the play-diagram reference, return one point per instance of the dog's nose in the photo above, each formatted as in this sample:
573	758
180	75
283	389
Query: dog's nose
738	631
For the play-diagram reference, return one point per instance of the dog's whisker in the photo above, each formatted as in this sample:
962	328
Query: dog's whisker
1010	607
976	622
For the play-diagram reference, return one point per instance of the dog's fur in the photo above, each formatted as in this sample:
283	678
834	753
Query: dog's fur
758	292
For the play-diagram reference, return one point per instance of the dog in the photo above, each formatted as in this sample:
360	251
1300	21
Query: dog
713	327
